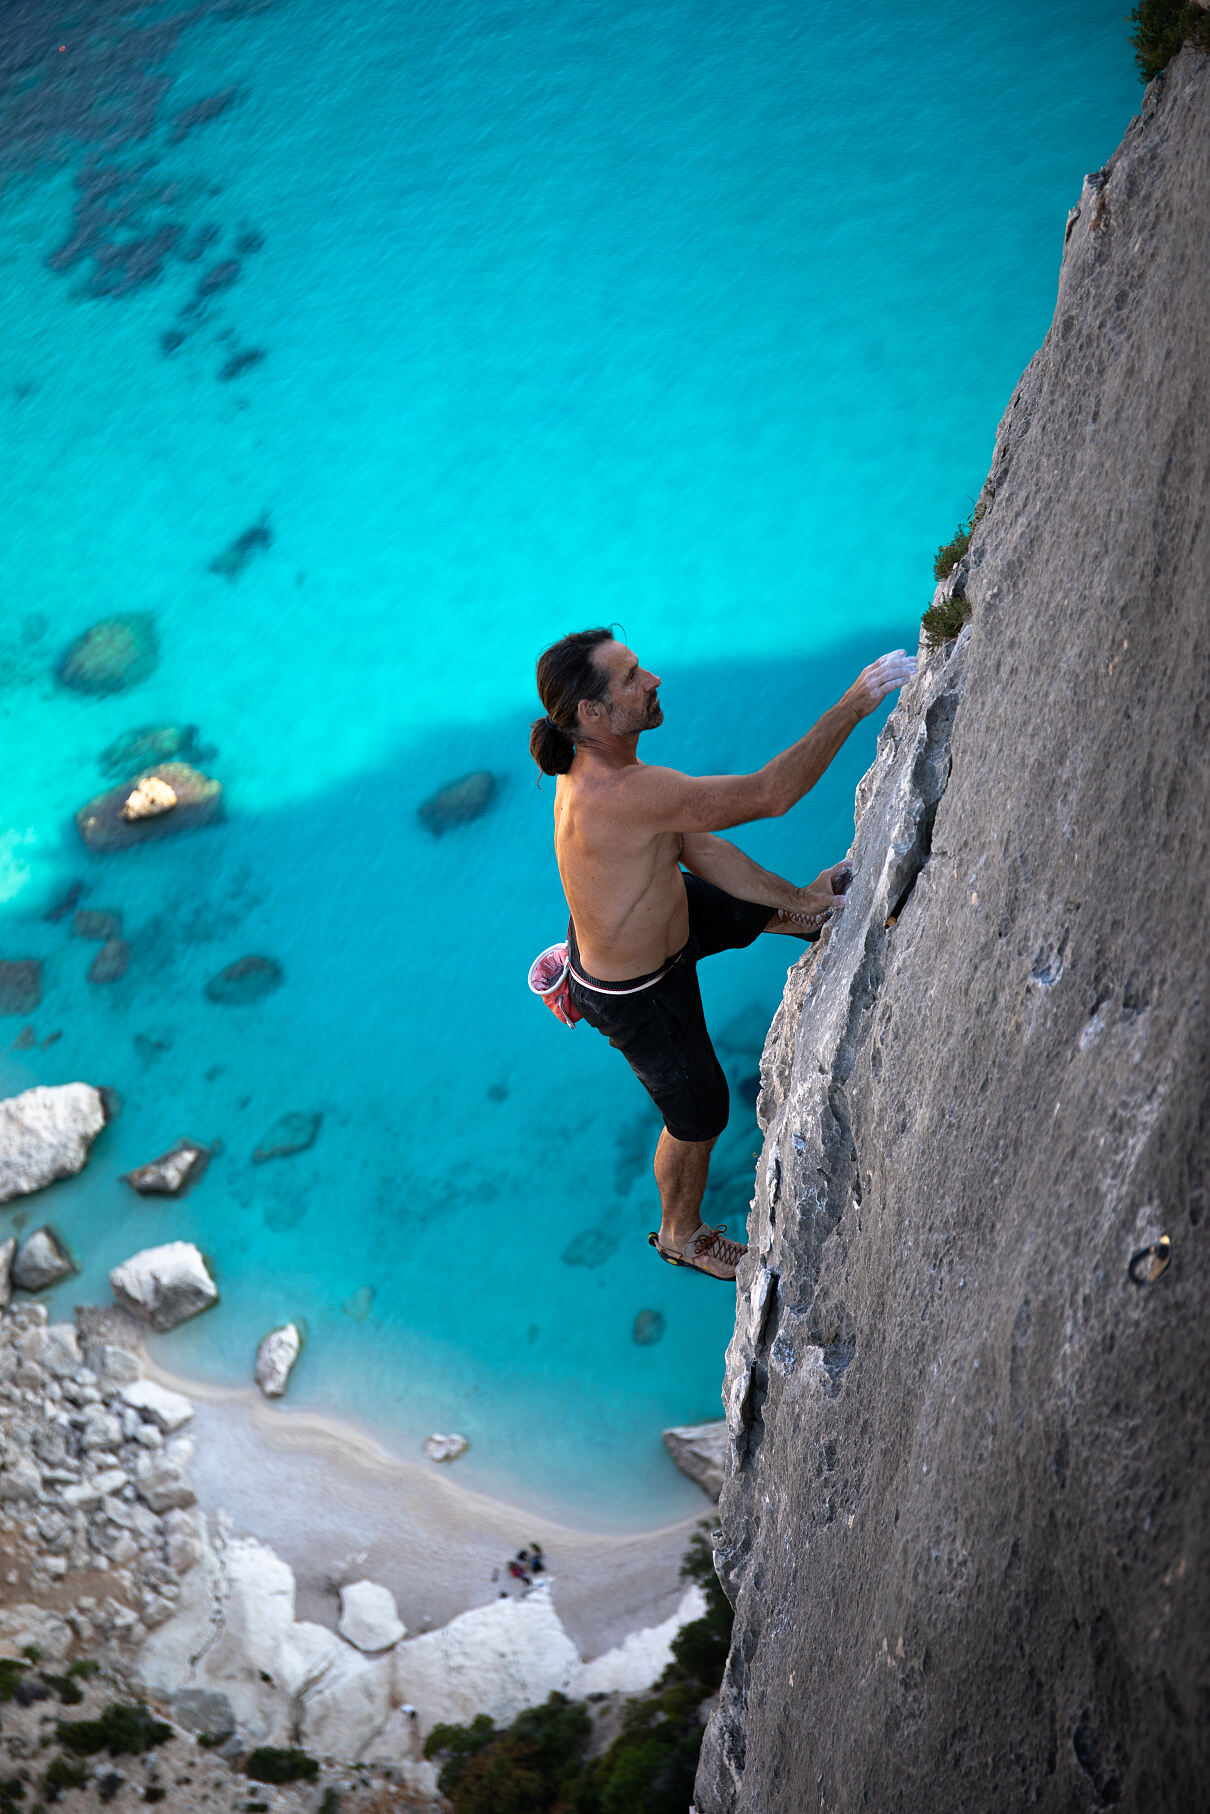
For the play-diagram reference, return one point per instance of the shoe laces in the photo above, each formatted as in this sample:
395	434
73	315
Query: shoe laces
713	1243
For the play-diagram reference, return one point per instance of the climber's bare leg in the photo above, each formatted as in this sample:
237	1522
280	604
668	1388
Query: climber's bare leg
681	1170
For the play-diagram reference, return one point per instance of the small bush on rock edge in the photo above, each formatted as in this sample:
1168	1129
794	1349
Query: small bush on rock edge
1162	28
124	1729
943	622
281	1764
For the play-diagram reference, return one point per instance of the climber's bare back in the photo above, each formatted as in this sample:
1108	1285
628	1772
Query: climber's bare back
622	881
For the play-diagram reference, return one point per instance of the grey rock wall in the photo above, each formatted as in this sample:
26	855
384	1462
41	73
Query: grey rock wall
966	1515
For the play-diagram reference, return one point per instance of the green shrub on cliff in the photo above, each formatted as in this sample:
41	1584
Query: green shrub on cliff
537	1765
942	622
1164	27
124	1729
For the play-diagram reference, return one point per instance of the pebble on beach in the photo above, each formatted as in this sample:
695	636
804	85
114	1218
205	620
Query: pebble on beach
445	1448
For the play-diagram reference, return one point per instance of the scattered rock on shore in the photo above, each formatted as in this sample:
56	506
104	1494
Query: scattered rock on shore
700	1451
113	655
292	1133
445	1448
149	744
369	1617
164	1285
170	1174
8	1249
20	985
104	825
459	802
45	1133
41	1260
109	965
275	1357
169	1411
248	979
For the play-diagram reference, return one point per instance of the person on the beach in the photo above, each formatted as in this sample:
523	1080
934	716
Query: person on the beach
651	890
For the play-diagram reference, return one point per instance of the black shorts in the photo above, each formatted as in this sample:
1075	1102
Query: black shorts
661	1030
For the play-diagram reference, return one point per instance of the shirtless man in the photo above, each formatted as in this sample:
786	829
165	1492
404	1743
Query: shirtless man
625	834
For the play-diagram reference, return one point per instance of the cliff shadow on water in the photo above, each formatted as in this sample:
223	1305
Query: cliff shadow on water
459	1123
965	1525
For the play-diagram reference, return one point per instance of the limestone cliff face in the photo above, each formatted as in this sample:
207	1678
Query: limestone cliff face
965	1525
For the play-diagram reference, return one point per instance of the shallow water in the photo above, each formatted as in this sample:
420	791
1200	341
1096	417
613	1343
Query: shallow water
697	318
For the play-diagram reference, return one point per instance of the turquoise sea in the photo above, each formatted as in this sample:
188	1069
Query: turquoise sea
696	317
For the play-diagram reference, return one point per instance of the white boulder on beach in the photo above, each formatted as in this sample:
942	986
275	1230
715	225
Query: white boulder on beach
165	1285
275	1357
368	1616
445	1448
45	1133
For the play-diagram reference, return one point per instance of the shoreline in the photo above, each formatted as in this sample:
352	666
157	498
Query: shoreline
405	1524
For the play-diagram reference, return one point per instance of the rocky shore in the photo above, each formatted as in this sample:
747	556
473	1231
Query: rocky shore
106	1553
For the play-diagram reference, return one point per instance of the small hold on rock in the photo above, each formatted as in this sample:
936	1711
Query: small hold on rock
275	1357
445	1448
164	1285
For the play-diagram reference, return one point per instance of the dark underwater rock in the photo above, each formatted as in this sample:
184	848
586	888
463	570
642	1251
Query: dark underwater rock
590	1248
20	985
239	363
248	979
26	1039
109	965
141	748
235	557
200	114
459	802
65	903
199	801
97	923
290	1133
649	1326
112	656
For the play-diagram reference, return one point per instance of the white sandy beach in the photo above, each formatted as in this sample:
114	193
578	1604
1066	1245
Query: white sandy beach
330	1502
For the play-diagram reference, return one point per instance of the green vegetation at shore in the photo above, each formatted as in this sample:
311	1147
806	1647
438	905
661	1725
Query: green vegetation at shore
538	1764
1162	28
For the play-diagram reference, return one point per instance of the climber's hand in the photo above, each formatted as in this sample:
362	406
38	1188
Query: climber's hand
883	676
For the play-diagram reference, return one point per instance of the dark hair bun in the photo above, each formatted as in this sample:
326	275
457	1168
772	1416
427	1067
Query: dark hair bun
551	748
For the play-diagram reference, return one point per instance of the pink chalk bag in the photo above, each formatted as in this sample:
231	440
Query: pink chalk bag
550	977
